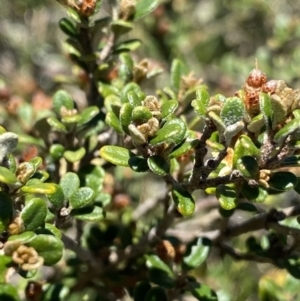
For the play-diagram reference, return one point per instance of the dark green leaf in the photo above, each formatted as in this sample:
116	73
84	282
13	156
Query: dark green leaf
34	214
82	197
291	161
49	229
184	202
248	167
62	99
69	183
246	206
197	253
159	272
141	290
56	151
158	165
256	124
127	88
176	72
138	164
290	128
141	114
283	181
292	265
173	131
266	109
14	241
168	108
49	247
6	210
244	147
89	214
183	148
202	292
125	116
226	196
201	102
68	27
156	294
88	114
125	70
112	120
134	99
257	194
57	198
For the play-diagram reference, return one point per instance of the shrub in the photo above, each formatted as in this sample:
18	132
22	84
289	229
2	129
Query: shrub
145	191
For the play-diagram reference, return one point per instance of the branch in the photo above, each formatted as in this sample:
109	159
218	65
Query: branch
83	254
243	256
261	221
235	176
200	153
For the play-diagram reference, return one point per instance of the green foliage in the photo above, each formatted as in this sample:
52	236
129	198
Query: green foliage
107	181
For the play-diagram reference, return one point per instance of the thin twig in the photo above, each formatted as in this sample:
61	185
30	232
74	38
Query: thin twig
200	153
80	252
243	256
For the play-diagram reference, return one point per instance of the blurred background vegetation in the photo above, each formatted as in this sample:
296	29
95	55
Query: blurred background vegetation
217	39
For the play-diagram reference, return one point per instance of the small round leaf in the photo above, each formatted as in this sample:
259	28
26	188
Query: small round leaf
89	214
82	197
34	214
141	290
184	202
196	253
74	156
226	196
168	108
138	164
7	176
158	165
88	114
43	188
156	294
248	167
49	247
173	131
116	155
283	181
58	197
69	183
62	99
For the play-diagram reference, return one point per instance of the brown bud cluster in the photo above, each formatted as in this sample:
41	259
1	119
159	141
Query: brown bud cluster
255	84
86	7
33	291
165	251
252	88
27	258
16	226
127	9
